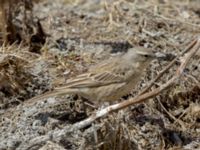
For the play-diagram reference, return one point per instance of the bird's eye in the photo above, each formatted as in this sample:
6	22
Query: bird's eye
146	56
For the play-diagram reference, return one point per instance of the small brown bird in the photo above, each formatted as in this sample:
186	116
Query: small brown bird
110	80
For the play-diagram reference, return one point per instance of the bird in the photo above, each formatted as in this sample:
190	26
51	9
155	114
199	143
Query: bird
108	80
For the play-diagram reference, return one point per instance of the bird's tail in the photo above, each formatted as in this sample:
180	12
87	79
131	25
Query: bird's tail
56	92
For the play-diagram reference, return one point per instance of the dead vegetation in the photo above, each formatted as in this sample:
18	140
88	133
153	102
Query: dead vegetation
43	43
19	26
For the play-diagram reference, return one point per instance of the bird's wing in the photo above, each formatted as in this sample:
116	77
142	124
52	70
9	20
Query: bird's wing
100	76
92	80
84	80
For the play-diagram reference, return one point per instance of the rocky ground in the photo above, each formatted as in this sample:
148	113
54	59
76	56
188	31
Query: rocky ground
80	34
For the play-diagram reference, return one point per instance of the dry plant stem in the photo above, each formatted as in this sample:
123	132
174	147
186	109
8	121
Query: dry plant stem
194	79
181	123
141	98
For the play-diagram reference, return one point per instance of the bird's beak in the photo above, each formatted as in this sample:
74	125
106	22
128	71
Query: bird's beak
162	56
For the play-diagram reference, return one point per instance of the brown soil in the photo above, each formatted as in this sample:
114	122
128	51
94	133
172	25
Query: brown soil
79	34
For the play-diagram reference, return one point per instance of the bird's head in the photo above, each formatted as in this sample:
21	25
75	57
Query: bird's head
142	55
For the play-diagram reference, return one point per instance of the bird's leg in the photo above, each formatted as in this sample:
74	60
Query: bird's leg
89	103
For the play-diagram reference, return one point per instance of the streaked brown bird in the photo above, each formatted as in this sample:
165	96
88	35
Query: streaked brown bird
109	80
